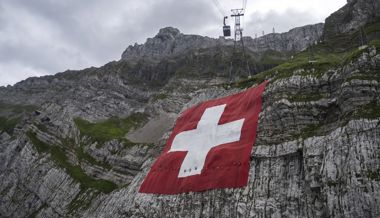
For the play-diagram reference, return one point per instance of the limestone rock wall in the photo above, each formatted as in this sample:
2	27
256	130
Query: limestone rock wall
351	17
170	42
317	152
314	157
330	170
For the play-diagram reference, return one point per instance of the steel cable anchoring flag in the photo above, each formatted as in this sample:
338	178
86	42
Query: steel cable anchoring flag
209	147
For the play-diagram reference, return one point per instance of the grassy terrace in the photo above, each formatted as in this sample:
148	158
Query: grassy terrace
83	156
113	128
8	124
160	96
16	108
328	55
325	60
368	111
75	171
10	115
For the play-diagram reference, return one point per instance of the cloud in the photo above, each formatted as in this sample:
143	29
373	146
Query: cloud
13	72
281	21
32	45
190	17
39	37
284	15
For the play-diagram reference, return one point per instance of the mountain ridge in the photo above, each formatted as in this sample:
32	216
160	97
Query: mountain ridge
170	42
79	144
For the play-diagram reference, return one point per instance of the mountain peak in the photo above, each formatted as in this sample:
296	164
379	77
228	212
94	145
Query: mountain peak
168	31
170	41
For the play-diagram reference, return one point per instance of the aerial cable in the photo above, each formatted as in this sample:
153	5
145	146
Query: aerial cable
237	14
219	7
244	4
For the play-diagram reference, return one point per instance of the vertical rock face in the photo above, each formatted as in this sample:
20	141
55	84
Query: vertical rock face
79	143
351	17
295	40
170	42
314	157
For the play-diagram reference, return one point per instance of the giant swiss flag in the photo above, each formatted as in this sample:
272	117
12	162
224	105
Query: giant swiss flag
209	147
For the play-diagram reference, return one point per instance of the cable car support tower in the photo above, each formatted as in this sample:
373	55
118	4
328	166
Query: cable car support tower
238	39
237	14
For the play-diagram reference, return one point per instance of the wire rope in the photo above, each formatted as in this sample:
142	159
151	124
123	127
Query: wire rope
244	4
219	7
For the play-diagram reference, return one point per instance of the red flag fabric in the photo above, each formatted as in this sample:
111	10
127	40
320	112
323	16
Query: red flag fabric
209	147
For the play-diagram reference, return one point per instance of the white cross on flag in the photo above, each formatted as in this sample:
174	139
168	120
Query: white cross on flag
209	147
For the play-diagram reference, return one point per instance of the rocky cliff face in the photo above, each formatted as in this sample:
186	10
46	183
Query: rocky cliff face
170	42
315	156
297	39
79	144
350	18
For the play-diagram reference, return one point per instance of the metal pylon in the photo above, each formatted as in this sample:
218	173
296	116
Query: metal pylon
238	39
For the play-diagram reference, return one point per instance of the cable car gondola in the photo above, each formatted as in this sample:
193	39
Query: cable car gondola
238	33
226	28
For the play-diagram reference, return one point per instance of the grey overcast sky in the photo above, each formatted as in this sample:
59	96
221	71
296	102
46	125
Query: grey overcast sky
40	37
